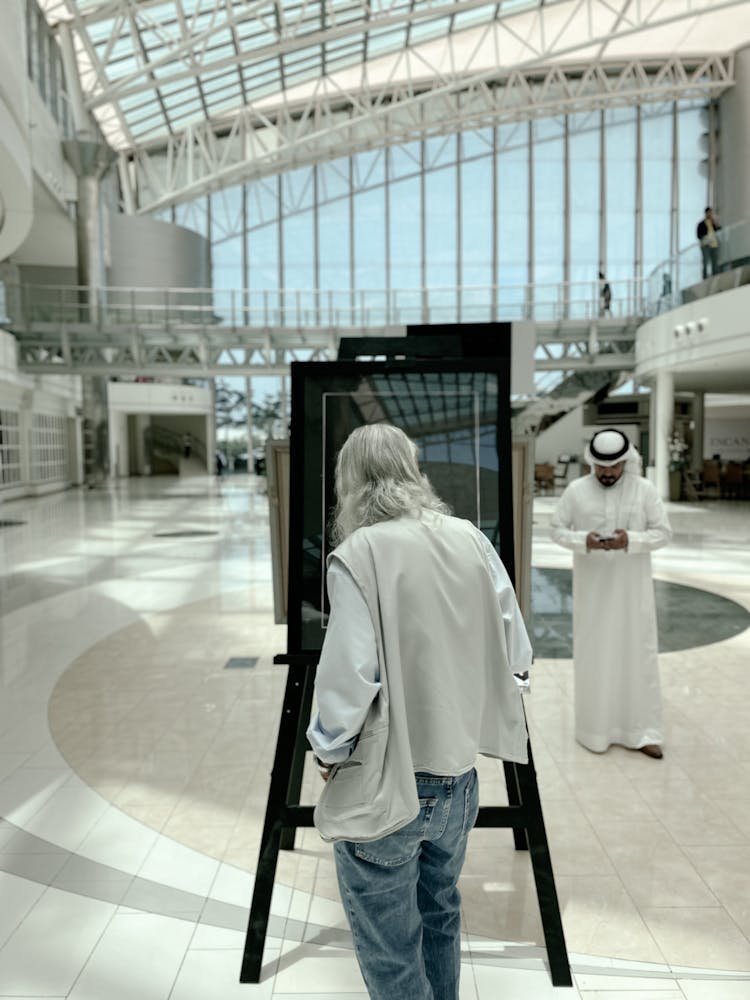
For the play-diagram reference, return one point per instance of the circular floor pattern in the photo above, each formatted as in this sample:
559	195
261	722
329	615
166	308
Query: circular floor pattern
687	617
150	718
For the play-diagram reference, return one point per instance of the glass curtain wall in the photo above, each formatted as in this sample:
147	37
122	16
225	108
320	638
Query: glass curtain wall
44	66
504	222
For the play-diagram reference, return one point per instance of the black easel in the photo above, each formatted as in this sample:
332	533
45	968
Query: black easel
284	815
451	351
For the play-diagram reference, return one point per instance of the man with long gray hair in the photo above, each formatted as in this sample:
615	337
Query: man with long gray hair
415	679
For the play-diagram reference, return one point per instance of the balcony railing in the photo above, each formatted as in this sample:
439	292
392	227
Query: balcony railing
36	307
665	285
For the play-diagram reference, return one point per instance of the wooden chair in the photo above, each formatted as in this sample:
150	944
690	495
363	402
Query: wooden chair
544	477
711	476
693	486
731	482
561	470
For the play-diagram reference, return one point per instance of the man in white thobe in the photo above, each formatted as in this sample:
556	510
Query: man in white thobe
612	519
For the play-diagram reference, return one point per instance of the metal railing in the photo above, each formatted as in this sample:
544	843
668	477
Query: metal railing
35	307
666	283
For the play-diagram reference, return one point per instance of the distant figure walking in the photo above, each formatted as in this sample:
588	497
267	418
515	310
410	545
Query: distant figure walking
187	444
605	296
706	232
665	298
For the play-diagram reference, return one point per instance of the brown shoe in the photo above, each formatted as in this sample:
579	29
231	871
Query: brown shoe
652	750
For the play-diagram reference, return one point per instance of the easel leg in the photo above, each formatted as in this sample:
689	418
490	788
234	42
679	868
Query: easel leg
541	863
298	758
514	799
273	828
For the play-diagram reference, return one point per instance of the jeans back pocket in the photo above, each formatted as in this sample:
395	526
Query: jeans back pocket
401	846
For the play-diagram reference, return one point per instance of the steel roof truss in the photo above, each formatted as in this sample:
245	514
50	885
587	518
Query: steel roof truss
257	145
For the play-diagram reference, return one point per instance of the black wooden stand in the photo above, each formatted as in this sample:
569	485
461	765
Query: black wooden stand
284	814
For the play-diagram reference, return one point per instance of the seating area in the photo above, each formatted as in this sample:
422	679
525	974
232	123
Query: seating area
718	480
551	479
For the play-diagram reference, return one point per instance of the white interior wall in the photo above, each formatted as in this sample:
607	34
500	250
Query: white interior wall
564	437
16	174
119	450
726	429
28	395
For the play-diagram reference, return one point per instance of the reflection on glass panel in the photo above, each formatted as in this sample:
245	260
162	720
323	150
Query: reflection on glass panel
406	245
513	218
226	213
334	248
585	177
441	244
194	215
619	140
476	221
298	242
262	202
263	272
692	127
369	239
453	418
439	151
656	148
226	268
300	297
297	190
476	144
353	191
405	160
333	180
368	169
549	214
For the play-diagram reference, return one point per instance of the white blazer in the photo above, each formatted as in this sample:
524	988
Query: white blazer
447	646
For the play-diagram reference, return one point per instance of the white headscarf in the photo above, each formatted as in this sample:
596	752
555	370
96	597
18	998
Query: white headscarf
609	447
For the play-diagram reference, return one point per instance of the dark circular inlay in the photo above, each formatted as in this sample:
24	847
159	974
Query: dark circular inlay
183	534
687	617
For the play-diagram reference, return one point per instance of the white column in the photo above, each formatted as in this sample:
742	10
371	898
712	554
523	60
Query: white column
283	431
249	420
210	430
699	426
75	451
733	184
664	404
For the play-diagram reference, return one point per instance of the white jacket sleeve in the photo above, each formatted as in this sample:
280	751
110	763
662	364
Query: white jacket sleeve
347	679
520	653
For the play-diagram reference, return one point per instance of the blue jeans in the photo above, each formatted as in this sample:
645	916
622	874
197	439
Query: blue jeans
401	896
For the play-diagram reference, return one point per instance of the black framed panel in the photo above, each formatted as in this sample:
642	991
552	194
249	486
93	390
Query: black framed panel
458	414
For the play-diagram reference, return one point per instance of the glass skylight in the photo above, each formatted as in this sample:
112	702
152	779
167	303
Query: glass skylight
148	69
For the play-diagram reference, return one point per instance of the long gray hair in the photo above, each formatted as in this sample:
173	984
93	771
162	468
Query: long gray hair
377	479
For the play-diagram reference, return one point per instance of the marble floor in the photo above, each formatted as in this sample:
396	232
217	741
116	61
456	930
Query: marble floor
134	768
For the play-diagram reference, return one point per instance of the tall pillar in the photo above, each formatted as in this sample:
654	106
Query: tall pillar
732	179
699	426
249	420
211	430
90	160
284	429
95	429
663	420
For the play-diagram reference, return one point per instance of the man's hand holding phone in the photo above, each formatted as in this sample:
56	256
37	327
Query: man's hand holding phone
607	540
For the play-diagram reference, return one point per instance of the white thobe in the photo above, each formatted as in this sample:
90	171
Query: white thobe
617	694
